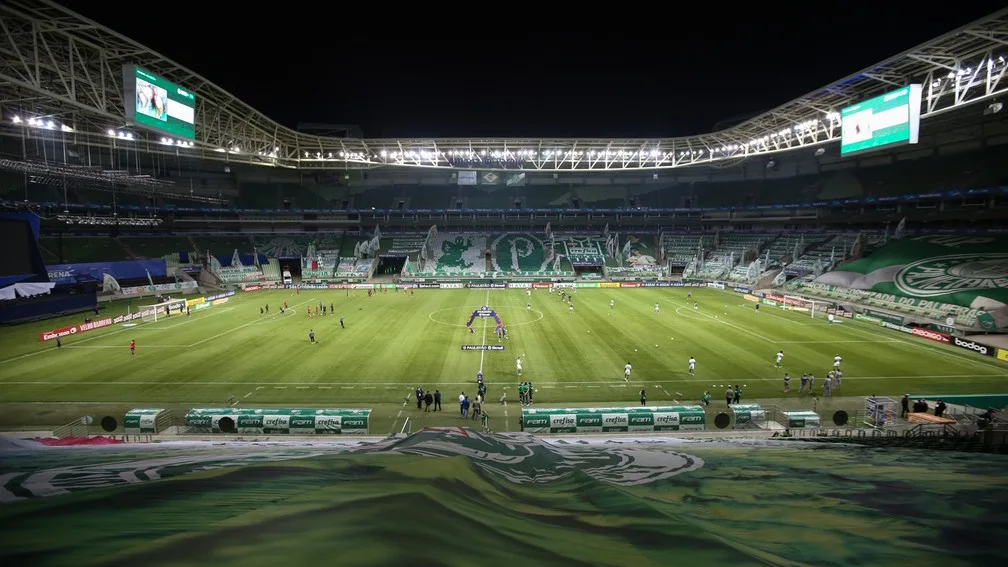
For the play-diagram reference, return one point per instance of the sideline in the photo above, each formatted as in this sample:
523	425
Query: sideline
396	385
406	400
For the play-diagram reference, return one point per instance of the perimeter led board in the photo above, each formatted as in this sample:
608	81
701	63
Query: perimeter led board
158	104
892	118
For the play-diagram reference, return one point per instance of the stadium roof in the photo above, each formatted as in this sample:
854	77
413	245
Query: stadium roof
62	75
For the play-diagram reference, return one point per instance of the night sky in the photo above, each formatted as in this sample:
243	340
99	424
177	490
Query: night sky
519	69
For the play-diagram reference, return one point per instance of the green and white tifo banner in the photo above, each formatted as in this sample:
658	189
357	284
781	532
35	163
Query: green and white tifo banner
141	421
277	421
604	420
970	271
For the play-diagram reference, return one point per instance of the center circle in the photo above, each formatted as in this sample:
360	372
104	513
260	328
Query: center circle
438	320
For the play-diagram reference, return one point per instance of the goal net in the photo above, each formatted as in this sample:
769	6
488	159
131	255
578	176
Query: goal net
154	313
804	305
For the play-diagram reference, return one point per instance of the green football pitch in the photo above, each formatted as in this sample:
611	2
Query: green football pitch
394	342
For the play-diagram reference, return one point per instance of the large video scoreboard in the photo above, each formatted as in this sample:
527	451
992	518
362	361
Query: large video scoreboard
888	119
159	104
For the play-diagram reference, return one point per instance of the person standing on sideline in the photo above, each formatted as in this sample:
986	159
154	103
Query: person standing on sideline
419	396
940	408
643	397
437	400
428	399
311	336
904	406
729	395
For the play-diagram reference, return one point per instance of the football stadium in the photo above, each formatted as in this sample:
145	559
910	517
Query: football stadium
226	341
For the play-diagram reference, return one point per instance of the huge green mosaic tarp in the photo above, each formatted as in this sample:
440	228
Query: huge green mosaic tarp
456	497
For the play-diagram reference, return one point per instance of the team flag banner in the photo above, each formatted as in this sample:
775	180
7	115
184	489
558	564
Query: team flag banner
604	420
969	271
583	500
276	421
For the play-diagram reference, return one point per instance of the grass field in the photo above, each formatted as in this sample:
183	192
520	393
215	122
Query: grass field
394	342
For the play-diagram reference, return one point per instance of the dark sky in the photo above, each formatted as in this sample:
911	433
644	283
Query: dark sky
527	69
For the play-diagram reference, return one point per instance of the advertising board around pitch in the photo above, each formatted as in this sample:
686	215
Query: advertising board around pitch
281	421
613	420
141	421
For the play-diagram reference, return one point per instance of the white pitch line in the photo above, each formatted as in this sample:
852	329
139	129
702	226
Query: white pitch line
831	342
229	331
769	312
401	410
301	387
160	328
934	349
483	346
324	387
746	331
123	347
548	385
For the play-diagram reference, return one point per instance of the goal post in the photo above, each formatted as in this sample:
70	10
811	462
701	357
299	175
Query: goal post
803	304
154	313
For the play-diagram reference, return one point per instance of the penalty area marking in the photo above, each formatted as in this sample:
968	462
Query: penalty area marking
250	323
830	342
716	320
76	343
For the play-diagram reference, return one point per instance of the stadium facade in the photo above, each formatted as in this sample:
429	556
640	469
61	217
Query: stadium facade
211	202
224	195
